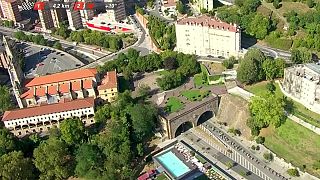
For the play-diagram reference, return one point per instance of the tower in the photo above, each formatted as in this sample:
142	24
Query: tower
14	69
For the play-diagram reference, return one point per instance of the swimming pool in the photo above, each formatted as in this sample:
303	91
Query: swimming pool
173	164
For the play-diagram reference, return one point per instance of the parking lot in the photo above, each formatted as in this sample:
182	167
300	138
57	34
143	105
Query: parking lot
41	61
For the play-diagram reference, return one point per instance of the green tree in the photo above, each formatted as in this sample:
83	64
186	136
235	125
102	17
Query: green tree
248	71
271	87
170	63
57	45
250	68
72	131
293	172
260	140
15	166
7	141
5	100
270	68
268	156
89	162
276	4
103	113
228	63
280	65
269	110
299	56
143	120
182	9
310	3
140	149
20	35
229	164
53	160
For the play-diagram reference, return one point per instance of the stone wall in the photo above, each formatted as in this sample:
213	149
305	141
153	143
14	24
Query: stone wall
234	111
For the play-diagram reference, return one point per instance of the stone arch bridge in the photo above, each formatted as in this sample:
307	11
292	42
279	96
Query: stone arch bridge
191	113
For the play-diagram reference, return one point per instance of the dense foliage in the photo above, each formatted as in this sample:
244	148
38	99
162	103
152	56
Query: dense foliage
37	39
7	23
309	22
266	111
113	42
163	35
255	67
5	100
180	66
108	150
245	15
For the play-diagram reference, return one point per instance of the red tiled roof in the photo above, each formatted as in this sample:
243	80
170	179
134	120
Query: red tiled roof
87	84
41	91
169	3
52	90
207	21
48	109
61	77
28	94
64	88
76	86
109	81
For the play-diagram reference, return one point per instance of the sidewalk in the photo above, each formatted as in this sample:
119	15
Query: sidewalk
278	164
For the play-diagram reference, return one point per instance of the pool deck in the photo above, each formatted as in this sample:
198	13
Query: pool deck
193	168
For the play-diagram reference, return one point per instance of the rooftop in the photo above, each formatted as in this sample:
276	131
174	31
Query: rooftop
205	20
314	67
48	109
61	77
109	80
169	3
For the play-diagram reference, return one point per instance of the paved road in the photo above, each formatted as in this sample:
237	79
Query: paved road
156	12
195	141
242	151
88	53
141	45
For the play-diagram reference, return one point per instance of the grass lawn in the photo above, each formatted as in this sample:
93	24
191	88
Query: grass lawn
294	143
298	109
198	79
214	77
162	177
203	161
162	73
174	104
195	95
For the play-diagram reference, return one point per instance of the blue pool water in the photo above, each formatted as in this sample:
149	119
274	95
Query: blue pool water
173	164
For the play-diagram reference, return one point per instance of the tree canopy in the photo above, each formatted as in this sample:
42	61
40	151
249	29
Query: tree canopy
15	166
5	100
266	111
53	159
72	131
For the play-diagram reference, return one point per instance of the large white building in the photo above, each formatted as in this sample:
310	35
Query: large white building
302	83
42	118
206	36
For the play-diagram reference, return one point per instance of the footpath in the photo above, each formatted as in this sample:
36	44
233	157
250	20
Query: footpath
278	163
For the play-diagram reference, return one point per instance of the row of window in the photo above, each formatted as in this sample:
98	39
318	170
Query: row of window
52	116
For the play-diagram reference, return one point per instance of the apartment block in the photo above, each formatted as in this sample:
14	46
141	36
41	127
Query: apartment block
41	118
10	10
58	16
302	83
46	20
206	36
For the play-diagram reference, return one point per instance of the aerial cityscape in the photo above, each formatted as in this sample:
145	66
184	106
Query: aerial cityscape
160	89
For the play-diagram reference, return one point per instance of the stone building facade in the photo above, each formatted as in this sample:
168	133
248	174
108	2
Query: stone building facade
302	83
206	36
